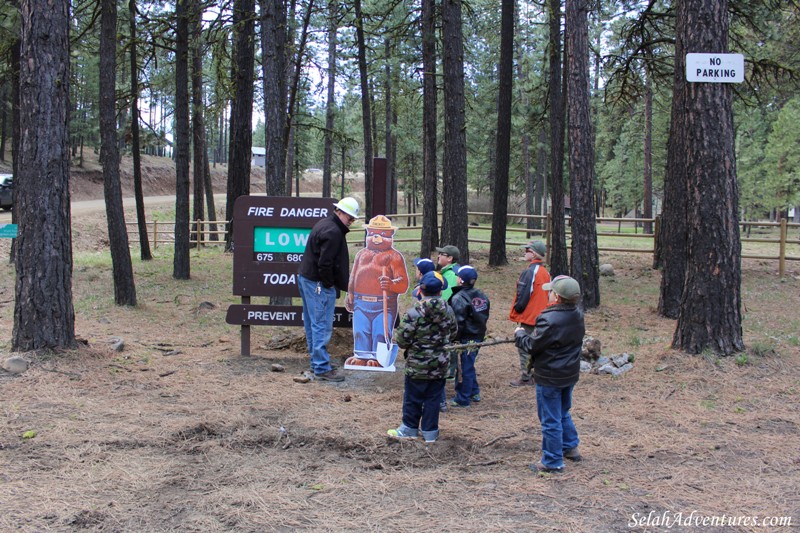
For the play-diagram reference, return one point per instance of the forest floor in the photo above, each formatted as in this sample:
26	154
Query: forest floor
179	432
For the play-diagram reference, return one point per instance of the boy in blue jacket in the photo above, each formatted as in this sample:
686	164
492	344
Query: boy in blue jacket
471	307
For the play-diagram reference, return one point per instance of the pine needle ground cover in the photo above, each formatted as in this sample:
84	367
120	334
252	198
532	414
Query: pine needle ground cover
178	432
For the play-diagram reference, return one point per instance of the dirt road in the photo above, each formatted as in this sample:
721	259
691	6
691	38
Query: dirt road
94	206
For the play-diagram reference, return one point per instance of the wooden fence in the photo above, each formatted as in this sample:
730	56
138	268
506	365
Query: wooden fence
203	232
206	232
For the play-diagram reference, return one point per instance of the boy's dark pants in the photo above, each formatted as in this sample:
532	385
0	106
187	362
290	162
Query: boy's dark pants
421	403
467	384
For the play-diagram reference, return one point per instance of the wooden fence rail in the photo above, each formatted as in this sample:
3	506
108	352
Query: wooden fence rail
212	232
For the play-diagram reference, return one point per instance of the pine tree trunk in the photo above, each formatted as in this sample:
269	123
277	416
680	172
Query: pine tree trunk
124	288
497	248
528	179
290	153
671	252
430	172
273	65
180	264
144	239
198	123
647	212
330	103
454	197
541	171
390	186
44	317
241	120
558	239
711	306
209	190
366	112
585	261
16	138
4	106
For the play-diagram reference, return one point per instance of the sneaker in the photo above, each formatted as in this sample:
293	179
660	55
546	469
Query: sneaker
429	440
541	469
331	375
454	403
519	382
400	434
476	398
443	407
573	454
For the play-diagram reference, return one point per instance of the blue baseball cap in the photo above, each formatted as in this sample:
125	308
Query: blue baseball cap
424	265
467	273
432	283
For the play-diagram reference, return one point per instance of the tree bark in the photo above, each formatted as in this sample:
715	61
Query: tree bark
180	264
366	112
124	287
390	185
647	211
497	248
711	306
16	137
558	238
330	102
136	145
454	222
209	190
5	97
273	65
241	121
585	260
540	194
198	122
430	217
671	250
44	317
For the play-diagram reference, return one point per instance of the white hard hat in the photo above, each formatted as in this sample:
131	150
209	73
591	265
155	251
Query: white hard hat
349	205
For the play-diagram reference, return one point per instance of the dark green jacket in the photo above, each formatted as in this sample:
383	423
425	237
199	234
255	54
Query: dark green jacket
424	331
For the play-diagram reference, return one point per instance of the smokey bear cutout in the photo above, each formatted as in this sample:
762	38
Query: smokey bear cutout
377	278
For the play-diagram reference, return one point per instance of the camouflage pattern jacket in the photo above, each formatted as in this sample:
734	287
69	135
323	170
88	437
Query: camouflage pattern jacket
424	331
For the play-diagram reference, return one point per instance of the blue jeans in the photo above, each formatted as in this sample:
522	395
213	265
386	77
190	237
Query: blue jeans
468	385
558	430
368	325
318	307
421	405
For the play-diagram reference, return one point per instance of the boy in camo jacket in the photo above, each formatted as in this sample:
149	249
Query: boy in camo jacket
423	333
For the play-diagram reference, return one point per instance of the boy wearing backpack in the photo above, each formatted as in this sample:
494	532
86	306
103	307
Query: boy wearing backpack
471	307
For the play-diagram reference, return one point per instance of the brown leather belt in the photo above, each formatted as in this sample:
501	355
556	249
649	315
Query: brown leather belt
373	299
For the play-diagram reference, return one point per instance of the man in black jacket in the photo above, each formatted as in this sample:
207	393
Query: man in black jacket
324	271
555	349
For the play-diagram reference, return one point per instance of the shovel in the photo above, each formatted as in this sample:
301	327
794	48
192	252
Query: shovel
386	352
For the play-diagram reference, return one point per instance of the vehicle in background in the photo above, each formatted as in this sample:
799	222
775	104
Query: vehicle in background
6	191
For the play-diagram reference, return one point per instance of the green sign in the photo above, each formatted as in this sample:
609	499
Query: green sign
288	240
8	231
